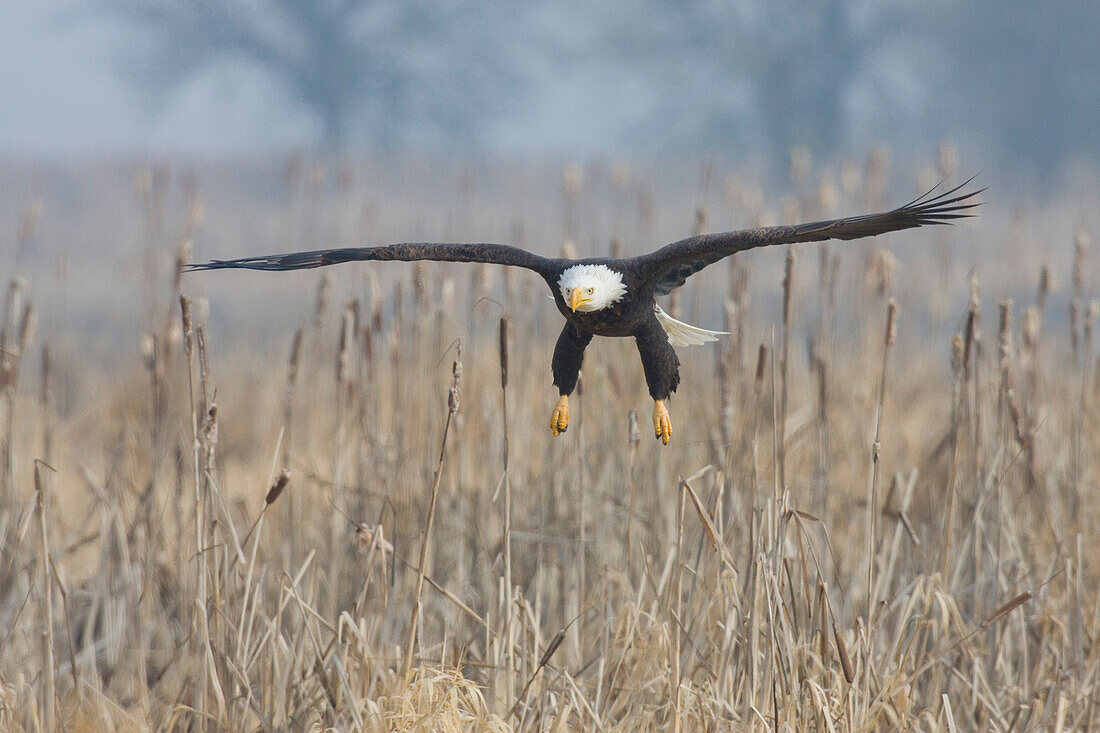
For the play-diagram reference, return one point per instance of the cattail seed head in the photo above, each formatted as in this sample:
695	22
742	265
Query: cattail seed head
453	393
366	339
27	326
1005	332
504	352
320	303
1045	286
148	350
972	334
277	488
881	268
842	652
1090	319
700	227
183	256
1081	243
788	286
295	356
957	346
210	434
1030	328
1075	325
554	644
45	394
377	302
761	360
420	283
347	336
1019	426
891	322
1006	609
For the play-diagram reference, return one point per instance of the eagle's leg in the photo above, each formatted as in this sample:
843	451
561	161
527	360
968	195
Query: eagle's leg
662	373
568	355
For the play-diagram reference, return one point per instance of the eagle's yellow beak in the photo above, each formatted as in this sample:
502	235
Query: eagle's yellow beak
577	298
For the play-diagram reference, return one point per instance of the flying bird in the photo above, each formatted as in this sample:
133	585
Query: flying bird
615	297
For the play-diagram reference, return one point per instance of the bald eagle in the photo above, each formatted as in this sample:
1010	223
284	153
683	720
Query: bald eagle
602	296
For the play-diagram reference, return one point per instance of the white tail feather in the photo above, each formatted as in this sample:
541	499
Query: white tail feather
681	334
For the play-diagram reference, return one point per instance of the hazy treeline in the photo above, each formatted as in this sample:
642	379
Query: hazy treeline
1012	80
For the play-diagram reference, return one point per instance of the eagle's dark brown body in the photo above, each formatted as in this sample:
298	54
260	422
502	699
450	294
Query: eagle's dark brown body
633	316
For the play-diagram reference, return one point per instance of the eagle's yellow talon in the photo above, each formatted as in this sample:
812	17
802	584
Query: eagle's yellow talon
559	421
662	422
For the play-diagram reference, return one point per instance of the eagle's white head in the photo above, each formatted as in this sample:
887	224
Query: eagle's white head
588	288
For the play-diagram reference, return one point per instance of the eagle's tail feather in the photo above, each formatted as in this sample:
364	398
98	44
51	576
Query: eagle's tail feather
682	334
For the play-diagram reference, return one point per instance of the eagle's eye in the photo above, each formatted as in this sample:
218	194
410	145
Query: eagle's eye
591	290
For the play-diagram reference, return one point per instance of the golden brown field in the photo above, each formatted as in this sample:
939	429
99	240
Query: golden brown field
313	501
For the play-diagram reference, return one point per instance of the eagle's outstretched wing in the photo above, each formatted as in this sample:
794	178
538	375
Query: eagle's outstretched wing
673	264
497	254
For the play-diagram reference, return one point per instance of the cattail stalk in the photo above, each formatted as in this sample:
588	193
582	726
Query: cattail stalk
788	296
842	652
508	587
876	450
758	389
821	495
676	612
14	342
452	411
44	403
634	439
277	487
49	700
289	514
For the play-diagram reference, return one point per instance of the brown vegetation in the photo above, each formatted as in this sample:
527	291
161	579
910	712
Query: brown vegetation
874	514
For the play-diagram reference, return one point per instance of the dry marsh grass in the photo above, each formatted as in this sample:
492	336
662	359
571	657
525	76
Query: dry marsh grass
239	501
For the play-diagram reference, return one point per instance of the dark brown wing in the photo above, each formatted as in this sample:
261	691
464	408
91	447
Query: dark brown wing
670	266
496	254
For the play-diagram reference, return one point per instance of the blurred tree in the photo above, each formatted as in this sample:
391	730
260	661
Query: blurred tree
379	67
772	75
1011	78
1017	78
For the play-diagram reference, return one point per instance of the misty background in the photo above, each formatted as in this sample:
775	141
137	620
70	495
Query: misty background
1013	83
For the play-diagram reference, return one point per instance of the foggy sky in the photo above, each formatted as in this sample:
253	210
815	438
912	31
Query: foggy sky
630	77
62	95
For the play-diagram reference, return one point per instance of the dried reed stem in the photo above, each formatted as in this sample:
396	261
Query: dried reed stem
788	296
634	439
508	587
876	450
49	668
452	411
